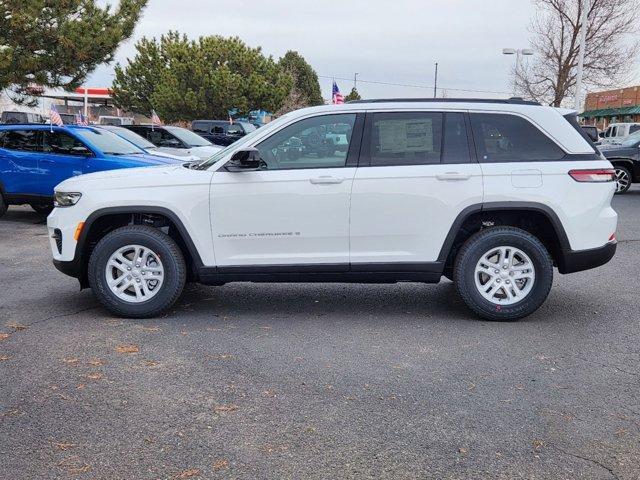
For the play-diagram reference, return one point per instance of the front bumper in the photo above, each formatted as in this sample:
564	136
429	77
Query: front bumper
579	260
72	268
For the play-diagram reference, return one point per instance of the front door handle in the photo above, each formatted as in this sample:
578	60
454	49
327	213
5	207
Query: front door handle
453	176
326	180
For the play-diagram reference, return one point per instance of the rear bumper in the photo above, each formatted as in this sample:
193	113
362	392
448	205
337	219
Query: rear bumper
579	260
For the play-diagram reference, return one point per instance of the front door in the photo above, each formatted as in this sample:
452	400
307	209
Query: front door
416	174
295	210
63	156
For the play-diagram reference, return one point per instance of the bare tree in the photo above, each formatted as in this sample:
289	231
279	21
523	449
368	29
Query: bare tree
610	47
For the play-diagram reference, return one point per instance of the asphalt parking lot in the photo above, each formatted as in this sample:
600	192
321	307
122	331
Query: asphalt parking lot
318	381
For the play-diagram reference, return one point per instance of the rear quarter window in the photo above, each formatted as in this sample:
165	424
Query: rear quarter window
510	138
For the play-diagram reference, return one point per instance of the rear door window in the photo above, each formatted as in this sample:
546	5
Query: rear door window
23	140
405	138
510	138
455	147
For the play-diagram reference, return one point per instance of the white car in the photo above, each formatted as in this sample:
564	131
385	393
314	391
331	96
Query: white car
492	194
616	133
177	140
144	144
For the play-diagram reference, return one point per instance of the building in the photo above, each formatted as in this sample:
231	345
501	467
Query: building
604	108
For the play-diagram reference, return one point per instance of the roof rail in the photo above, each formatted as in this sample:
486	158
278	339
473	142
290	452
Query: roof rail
512	100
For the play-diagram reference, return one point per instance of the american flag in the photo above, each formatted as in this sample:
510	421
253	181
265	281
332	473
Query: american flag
155	119
81	120
54	116
337	97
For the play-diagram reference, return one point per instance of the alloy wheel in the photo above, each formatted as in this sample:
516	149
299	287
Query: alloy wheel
504	275
134	273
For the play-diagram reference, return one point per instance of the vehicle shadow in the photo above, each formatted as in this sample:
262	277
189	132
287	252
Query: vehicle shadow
24	215
276	300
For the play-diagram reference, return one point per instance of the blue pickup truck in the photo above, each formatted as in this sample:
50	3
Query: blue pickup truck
34	158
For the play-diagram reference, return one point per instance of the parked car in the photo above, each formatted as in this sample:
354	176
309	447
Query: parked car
473	190
117	121
35	158
176	140
617	132
68	118
144	144
592	132
9	117
626	161
221	132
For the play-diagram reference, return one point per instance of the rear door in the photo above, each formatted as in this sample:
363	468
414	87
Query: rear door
416	174
19	153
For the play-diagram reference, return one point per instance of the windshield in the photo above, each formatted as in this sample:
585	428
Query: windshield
241	142
632	140
108	142
188	137
132	137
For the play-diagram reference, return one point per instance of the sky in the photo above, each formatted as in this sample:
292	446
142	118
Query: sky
395	41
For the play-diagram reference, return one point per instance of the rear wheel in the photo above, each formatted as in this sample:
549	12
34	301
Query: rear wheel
137	271
623	179
503	273
42	209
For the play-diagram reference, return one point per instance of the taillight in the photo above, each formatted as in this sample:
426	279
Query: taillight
594	175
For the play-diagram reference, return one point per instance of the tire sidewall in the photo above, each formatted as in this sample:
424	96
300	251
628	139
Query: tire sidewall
542	283
174	277
4	206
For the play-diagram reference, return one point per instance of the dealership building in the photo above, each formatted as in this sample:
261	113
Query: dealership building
611	106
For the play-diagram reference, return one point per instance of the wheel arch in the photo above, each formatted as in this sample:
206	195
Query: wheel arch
538	219
628	163
102	221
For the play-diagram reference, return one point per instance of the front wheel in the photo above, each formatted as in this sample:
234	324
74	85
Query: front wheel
623	179
137	271
503	273
3	205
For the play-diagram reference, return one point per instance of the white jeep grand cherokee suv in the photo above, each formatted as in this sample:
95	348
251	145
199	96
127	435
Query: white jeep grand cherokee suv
491	194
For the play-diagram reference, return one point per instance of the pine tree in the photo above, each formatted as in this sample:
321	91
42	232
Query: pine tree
353	95
187	79
58	43
304	76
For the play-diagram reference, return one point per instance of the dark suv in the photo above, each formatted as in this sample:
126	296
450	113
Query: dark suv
221	132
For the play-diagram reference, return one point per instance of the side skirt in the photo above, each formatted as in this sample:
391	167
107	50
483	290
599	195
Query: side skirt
428	272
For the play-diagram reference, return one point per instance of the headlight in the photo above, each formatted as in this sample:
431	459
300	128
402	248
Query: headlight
66	199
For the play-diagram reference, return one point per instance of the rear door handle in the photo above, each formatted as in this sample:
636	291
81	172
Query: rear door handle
326	180
453	176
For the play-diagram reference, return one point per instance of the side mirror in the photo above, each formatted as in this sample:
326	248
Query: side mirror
244	161
601	134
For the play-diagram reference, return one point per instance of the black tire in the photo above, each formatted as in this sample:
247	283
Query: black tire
165	247
623	179
3	206
42	209
480	243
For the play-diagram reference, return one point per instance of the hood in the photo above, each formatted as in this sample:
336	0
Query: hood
200	153
144	159
108	175
162	152
614	151
203	153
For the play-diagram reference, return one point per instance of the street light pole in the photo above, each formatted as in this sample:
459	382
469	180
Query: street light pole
584	4
355	81
435	83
